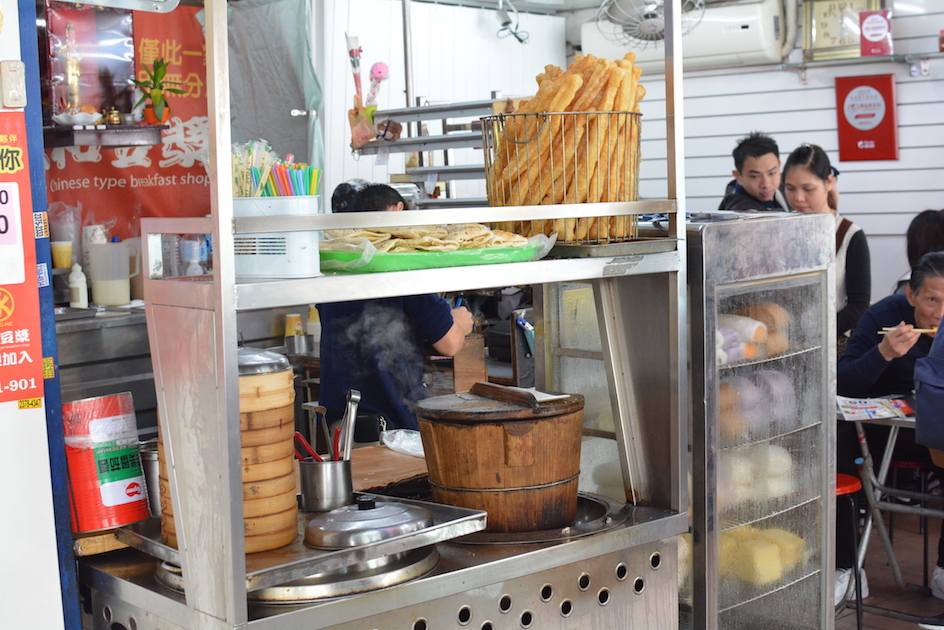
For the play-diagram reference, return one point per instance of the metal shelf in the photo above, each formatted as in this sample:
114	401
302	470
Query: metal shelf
424	143
103	135
480	214
345	287
626	259
451	202
434	112
418	174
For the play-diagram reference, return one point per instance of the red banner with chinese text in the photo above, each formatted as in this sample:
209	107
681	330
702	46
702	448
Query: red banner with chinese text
21	356
166	180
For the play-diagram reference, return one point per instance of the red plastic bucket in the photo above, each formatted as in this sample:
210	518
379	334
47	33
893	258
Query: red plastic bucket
106	481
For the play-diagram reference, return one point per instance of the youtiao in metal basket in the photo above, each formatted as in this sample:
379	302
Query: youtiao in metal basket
564	158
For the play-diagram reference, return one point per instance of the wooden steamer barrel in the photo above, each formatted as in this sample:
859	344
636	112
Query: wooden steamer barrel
519	461
267	429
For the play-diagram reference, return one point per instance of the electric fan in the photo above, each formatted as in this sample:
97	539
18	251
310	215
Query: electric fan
642	22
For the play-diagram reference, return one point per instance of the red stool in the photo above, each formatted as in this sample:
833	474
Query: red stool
895	466
847	486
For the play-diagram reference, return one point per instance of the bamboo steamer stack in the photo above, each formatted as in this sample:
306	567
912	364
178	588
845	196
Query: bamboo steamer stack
267	429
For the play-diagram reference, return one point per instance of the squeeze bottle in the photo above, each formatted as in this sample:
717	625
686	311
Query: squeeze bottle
78	288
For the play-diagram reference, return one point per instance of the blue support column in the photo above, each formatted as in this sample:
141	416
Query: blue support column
29	54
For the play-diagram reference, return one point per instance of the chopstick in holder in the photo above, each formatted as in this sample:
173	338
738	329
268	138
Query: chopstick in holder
887	330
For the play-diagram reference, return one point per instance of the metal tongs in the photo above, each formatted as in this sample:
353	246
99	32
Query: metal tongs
347	424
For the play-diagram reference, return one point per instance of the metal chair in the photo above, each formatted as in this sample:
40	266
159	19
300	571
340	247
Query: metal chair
923	472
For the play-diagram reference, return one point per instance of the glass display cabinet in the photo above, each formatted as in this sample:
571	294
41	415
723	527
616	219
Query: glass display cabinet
762	323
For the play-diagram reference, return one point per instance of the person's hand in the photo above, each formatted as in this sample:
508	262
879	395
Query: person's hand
462	318
898	341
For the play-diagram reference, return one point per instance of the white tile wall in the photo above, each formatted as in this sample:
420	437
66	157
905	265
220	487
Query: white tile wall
881	196
456	57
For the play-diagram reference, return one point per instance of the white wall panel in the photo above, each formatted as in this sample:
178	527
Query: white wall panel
456	57
882	196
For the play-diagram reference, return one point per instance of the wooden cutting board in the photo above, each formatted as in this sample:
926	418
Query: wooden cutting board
374	467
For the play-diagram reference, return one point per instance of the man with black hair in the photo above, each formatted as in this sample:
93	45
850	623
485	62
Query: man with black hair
376	346
379	197
756	184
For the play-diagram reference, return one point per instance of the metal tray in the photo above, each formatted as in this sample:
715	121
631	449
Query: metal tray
296	561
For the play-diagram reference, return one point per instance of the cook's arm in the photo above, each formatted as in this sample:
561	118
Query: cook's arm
452	342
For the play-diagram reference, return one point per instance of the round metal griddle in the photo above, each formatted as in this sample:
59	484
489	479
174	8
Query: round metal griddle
360	578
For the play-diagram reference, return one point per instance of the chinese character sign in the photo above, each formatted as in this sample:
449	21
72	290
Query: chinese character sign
867	120
165	180
21	358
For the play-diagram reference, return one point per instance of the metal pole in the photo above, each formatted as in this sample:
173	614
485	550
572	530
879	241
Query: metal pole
408	62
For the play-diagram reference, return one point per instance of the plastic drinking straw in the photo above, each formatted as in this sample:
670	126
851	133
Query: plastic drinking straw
276	186
286	186
260	186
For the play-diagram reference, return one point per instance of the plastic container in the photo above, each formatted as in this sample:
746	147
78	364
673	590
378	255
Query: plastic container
78	287
107	487
110	272
276	254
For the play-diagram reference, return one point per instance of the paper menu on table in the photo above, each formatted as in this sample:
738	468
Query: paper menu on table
872	408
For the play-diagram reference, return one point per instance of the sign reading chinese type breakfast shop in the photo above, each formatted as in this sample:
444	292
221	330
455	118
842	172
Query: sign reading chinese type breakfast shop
867	119
21	359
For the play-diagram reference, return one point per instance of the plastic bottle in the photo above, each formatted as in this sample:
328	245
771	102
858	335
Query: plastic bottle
190	255
313	327
78	288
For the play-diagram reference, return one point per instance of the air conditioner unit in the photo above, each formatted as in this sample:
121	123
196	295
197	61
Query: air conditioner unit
746	33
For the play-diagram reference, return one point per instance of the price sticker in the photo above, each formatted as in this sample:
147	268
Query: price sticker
12	264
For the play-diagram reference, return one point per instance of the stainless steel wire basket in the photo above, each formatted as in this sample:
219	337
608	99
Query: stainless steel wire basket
563	158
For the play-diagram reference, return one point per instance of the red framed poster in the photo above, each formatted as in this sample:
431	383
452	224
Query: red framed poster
21	357
867	119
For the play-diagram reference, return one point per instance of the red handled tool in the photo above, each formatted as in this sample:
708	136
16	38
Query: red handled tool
300	439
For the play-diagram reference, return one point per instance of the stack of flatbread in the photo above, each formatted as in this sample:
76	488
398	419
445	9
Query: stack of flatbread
428	238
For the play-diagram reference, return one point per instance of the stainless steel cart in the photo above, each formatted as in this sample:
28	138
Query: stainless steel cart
616	568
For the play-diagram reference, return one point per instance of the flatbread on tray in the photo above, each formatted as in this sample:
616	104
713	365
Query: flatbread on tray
418	238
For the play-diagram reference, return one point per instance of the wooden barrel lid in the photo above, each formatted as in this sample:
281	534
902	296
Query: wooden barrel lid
470	408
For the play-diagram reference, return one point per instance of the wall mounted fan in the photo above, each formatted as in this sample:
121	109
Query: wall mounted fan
642	22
